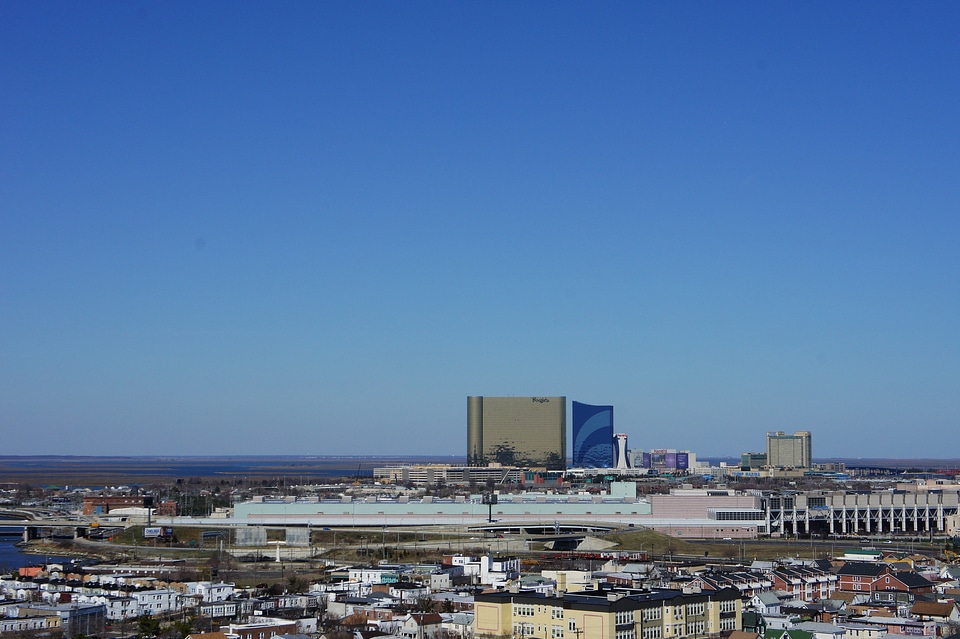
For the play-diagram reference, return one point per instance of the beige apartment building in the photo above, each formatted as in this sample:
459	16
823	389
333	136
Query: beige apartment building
607	614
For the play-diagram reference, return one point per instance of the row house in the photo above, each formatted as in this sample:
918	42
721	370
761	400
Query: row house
218	609
342	588
859	576
260	630
879	627
608	614
166	570
87	619
457	625
369	609
30	592
305	625
860	631
123	606
379	613
260	605
117	608
367	575
945	612
53	586
157	602
895	601
912	583
855	576
32	572
456	601
53	596
10	584
288	601
420	626
898	625
406	593
207	590
124	580
766	603
805	583
246	606
747	583
27	624
359	626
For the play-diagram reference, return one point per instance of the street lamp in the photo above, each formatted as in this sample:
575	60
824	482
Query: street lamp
278	543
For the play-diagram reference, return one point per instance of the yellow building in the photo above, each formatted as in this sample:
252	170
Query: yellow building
607	614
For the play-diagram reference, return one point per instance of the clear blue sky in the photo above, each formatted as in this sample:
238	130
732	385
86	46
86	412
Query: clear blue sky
315	228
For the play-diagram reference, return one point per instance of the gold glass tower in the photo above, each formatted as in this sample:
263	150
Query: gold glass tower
517	431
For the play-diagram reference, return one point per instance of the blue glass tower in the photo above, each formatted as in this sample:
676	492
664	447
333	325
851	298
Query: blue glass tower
592	436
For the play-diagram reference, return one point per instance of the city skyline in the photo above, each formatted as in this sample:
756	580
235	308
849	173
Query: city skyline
263	228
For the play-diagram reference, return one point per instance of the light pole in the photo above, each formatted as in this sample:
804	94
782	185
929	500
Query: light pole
278	543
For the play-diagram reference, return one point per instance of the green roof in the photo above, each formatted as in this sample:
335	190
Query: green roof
753	619
787	634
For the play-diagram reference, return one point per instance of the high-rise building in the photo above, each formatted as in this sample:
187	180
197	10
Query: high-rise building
621	451
517	431
752	461
592	436
789	451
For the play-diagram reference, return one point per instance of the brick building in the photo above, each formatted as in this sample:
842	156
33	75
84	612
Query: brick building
102	505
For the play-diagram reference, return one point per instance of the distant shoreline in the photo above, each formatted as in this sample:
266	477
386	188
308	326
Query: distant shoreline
100	471
449	459
96	471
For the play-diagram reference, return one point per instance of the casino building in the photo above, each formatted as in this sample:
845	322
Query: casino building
592	436
517	431
789	451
